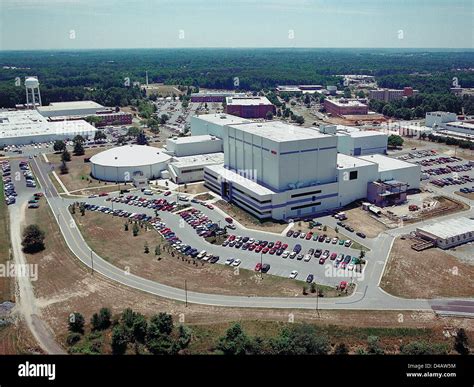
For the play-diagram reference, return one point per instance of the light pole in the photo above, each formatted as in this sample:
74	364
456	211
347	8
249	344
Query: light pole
186	293
92	262
317	301
261	265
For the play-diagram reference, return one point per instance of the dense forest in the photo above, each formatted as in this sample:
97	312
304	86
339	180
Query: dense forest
101	75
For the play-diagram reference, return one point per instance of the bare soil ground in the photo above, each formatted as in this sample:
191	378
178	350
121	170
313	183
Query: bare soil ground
426	274
450	150
107	237
248	220
65	285
446	206
469	196
15	339
204	196
360	220
194	188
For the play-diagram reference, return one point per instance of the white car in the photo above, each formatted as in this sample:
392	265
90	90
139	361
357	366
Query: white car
307	257
285	254
207	257
202	254
293	274
229	261
236	262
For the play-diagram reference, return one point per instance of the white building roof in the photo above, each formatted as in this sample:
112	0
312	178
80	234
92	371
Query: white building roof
198	160
387	163
461	125
72	105
279	131
30	123
193	139
346	102
222	119
367	133
248	101
345	162
130	156
449	228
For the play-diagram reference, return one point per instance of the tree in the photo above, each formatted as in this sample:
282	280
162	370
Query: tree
461	343
76	323
300	339
158	339
423	348
93	120
373	346
157	250
163	119
395	140
163	322
139	328
99	135
341	349
64	168
347	93
78	148
184	337
135	229
125	226
33	239
146	248
235	342
141	138
101	320
299	120
79	138
65	156
59	146
269	115
119	340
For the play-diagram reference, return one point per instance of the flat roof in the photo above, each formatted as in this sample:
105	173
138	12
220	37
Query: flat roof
345	162
366	133
449	228
30	123
198	160
193	139
248	101
460	124
130	156
345	102
222	119
58	106
279	131
387	163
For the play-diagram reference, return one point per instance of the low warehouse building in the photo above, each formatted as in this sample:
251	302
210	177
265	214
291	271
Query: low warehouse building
73	108
448	233
193	145
124	163
212	124
24	127
191	168
249	107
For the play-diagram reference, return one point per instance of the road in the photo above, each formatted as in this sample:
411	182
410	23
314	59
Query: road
26	299
368	295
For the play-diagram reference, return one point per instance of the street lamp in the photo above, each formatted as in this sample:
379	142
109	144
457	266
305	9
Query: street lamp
261	265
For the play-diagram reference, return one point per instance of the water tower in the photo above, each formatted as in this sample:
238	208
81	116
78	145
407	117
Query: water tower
33	96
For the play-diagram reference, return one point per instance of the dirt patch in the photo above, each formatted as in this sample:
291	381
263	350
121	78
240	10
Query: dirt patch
193	188
469	195
445	206
204	197
360	220
427	274
6	286
107	236
248	220
16	339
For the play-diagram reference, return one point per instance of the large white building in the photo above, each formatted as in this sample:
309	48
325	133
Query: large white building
129	162
361	142
438	119
73	108
275	170
22	127
193	145
211	124
189	169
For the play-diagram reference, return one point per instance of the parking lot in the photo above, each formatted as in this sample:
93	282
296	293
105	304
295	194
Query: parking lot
18	181
448	173
327	261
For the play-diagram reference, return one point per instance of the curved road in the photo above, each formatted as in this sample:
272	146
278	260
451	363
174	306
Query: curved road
368	296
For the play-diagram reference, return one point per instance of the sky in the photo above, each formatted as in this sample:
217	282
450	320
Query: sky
96	24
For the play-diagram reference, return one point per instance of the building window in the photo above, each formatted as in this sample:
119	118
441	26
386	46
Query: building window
353	175
306	193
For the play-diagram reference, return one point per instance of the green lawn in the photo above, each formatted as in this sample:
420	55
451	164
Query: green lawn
5	291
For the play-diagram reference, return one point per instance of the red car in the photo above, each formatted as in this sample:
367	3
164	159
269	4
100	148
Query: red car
167	193
231	237
252	247
333	256
265	250
229	220
322	260
272	251
258	249
277	244
258	267
284	246
309	235
103	194
210	207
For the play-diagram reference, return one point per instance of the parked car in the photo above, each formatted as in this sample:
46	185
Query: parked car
293	274
310	278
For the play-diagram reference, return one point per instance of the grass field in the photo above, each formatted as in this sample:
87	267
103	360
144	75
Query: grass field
106	235
5	283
